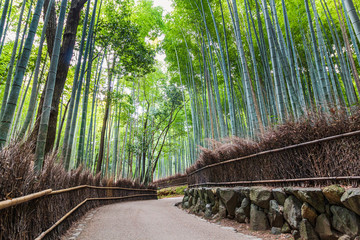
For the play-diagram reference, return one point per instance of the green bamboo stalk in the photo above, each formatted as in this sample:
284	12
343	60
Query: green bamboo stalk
45	116
351	11
12	60
278	89
3	17
255	68
5	123
352	35
19	112
34	89
324	96
75	87
80	158
2	38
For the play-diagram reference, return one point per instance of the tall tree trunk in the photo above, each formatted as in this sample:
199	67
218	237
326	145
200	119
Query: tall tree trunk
66	53
45	116
75	87
91	42
61	124
105	119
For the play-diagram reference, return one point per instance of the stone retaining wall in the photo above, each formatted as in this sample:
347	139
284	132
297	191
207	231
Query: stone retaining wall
308	213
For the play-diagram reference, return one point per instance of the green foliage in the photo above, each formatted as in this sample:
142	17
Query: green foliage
117	33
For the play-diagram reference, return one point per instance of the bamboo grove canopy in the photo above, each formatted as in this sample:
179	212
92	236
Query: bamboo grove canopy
85	79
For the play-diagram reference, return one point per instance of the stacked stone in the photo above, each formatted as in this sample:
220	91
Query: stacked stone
307	213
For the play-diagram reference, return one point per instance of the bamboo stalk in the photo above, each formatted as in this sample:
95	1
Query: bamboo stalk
15	201
120	188
43	234
68	189
349	134
278	181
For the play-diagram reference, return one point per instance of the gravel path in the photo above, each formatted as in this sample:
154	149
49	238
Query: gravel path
153	219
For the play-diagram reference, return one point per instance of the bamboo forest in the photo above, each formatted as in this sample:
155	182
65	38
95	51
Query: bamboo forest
130	90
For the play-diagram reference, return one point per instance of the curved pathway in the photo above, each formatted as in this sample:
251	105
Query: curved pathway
152	219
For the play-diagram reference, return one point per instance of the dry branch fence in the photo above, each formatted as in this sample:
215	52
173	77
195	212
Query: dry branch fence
172	181
329	160
35	202
53	208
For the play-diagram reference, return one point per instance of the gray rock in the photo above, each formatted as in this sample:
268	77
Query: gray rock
313	196
210	196
199	206
344	237
308	213
195	197
186	205
202	204
196	208
191	192
215	208
327	210
275	214
258	219
240	215
208	211
292	211
201	192
333	194
296	234
206	198
345	221
190	201
222	210
275	231
186	192
243	191
323	228
286	228
261	196
230	199
243	212
351	200
192	209
279	195
245	204
307	232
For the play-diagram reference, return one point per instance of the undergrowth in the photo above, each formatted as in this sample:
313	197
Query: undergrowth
171	192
